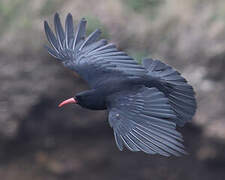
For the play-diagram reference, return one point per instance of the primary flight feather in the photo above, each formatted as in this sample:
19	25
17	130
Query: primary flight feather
145	101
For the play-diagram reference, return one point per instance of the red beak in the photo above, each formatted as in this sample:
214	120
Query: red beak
68	101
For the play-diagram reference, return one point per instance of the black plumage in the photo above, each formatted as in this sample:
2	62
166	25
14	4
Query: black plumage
145	101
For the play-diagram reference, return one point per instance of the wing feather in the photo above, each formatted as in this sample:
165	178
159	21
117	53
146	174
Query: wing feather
60	34
52	52
51	37
95	60
141	126
94	46
80	33
69	28
94	36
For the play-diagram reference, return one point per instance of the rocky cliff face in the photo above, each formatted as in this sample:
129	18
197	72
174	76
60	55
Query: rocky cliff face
72	142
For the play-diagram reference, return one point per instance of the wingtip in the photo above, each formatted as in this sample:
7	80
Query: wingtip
56	17
99	31
46	26
69	16
45	23
181	153
83	20
56	14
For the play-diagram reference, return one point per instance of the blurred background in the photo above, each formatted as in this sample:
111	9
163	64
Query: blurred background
40	141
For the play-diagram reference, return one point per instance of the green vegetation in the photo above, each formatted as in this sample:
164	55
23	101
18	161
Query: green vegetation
49	7
94	23
141	5
138	55
148	7
9	11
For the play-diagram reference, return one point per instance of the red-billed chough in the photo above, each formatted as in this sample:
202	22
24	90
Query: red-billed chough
145	101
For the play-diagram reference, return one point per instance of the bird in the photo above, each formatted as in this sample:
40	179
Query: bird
145	101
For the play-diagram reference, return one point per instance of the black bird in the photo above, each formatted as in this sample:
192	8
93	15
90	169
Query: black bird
145	101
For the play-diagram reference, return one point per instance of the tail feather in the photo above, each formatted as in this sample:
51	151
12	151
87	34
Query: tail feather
180	94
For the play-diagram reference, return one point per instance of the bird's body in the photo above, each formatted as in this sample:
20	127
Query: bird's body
96	99
145	101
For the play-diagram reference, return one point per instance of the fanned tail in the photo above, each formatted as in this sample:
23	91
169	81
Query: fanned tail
180	94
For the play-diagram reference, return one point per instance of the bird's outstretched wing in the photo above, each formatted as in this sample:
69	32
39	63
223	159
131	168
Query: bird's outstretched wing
94	60
180	94
141	120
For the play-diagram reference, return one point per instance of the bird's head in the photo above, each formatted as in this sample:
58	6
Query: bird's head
87	99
